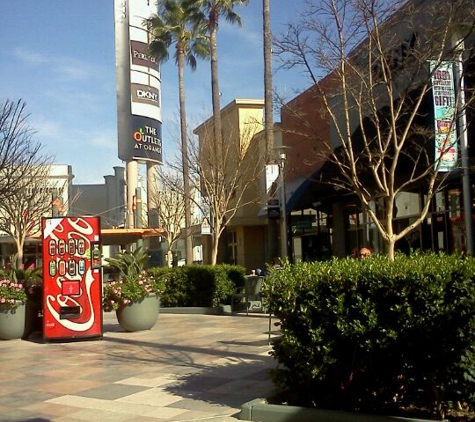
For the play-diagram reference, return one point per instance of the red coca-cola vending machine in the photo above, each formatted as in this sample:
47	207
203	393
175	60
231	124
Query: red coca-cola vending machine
72	277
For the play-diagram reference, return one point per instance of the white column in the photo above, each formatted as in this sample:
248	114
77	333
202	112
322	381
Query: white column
132	177
152	187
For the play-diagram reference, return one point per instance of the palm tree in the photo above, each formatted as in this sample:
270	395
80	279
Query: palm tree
209	13
171	26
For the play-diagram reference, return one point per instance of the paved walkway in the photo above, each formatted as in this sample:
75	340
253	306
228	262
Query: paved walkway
187	368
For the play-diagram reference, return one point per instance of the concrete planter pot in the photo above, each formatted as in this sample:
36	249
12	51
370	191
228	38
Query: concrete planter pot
139	316
259	410
12	321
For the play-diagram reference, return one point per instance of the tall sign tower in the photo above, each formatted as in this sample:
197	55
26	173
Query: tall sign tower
139	113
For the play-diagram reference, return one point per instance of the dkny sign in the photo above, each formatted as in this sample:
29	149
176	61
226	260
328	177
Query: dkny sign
145	94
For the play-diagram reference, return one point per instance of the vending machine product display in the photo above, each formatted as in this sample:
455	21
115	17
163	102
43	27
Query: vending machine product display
72	278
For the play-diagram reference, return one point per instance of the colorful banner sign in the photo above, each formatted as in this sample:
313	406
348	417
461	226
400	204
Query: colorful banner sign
443	93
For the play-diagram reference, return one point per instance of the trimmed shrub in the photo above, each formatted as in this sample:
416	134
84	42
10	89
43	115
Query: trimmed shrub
199	285
377	336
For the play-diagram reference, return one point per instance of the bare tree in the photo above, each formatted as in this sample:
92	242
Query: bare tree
33	198
169	205
232	182
369	60
25	191
17	148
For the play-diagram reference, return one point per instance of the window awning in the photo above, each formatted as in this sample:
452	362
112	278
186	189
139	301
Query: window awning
114	236
127	236
294	189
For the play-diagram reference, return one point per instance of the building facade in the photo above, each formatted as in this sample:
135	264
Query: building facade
325	220
245	239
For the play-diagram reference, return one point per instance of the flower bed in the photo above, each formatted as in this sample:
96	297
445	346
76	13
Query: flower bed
12	293
133	282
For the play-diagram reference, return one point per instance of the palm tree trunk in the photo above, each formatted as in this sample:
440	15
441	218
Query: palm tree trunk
184	158
218	137
269	109
218	168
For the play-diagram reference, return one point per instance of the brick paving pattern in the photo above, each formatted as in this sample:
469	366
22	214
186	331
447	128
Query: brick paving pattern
187	368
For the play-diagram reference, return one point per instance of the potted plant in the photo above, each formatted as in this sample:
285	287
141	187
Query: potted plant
12	308
134	294
32	281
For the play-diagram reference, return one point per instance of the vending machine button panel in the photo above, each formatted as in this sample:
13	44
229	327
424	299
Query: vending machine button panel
71	288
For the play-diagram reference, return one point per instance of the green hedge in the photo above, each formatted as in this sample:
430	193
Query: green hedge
375	335
199	285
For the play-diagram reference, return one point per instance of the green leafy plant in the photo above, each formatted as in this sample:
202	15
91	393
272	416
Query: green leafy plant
133	282
17	284
32	280
201	285
377	336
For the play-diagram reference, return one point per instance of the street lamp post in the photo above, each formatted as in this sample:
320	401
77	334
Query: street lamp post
283	209
283	217
462	121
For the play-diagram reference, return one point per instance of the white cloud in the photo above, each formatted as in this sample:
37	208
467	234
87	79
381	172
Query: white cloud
29	57
106	139
74	69
66	67
46	129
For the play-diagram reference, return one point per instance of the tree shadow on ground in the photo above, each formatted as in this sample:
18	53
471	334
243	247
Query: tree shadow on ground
223	373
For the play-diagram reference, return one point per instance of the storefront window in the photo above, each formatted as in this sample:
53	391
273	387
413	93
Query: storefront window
456	220
362	231
232	247
311	238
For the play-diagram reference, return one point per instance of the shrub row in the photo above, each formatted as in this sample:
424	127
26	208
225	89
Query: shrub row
377	336
199	285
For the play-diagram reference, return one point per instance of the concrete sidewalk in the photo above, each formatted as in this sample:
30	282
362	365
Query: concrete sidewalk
187	368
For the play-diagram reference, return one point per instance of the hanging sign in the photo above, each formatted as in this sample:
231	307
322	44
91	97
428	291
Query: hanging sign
443	93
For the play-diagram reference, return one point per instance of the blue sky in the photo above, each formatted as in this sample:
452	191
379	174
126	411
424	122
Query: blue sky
59	57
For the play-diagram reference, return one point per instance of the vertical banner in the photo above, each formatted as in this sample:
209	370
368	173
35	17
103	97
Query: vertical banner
443	93
72	278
